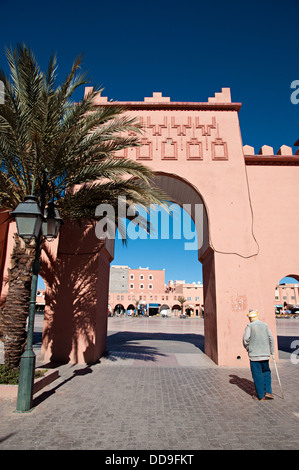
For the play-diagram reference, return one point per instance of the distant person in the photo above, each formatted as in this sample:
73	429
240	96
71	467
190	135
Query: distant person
259	343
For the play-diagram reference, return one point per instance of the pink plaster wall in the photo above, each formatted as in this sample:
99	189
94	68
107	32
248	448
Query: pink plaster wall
7	233
4	227
250	229
75	323
201	144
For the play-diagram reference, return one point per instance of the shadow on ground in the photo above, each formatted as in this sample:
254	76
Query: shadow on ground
46	394
151	345
128	341
245	385
287	344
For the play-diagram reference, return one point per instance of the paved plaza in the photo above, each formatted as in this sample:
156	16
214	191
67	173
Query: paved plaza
156	390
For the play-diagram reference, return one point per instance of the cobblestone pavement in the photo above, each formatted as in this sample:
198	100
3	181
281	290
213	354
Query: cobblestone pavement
156	390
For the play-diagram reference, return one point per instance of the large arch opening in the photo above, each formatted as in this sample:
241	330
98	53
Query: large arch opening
286	307
75	329
286	301
191	202
40	305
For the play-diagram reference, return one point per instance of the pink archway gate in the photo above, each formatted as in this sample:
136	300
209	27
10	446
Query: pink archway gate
197	153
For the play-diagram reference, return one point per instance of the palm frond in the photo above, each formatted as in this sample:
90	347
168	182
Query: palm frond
67	152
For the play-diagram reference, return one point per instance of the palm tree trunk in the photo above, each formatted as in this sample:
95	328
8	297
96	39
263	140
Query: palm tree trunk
15	312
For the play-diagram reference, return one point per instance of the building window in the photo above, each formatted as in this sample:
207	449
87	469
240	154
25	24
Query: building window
131	286
141	277
197	298
150	286
131	276
150	277
189	298
141	286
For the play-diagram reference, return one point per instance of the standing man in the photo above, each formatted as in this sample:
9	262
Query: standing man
259	343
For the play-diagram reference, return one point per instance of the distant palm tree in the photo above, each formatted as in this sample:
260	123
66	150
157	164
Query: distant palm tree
61	152
182	300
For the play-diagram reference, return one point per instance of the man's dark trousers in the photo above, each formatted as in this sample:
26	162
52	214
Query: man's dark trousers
261	375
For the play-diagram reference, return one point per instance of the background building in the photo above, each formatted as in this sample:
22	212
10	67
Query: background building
144	291
286	298
40	301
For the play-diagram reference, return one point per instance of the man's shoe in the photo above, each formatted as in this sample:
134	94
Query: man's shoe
259	399
269	396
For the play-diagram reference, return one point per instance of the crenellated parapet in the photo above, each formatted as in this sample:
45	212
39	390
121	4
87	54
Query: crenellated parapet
220	100
267	156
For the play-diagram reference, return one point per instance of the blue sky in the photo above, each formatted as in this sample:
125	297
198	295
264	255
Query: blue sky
188	51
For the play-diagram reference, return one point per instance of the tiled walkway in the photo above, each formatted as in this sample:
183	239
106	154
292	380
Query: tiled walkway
156	390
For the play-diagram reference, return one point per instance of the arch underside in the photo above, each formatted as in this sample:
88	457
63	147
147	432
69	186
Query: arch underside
185	195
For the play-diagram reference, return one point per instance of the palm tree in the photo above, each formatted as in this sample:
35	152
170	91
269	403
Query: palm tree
64	153
182	300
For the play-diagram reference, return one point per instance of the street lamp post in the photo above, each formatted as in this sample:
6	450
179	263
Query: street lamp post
27	366
32	223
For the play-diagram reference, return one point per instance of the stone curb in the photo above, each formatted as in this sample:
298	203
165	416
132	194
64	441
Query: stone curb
11	391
